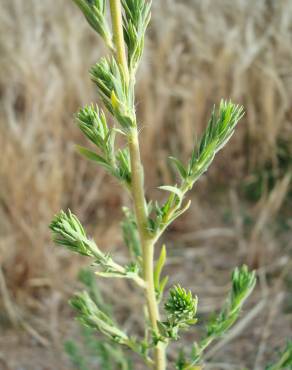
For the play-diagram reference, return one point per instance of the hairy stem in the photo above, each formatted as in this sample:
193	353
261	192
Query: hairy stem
147	244
117	25
137	190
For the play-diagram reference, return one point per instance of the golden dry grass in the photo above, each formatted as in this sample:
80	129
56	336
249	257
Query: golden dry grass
197	52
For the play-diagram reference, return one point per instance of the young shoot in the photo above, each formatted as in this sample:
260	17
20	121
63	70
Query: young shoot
166	319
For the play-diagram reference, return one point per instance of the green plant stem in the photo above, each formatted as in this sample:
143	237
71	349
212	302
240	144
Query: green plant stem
147	244
137	190
117	25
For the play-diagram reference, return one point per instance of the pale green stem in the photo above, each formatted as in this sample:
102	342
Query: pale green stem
137	190
147	244
117	25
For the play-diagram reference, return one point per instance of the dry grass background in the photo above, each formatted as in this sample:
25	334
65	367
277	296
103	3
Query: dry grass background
197	52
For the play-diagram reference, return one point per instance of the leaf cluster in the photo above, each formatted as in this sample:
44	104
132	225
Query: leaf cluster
90	315
181	309
67	231
93	316
92	122
115	91
131	235
88	278
243	283
95	14
136	19
219	130
85	355
109	355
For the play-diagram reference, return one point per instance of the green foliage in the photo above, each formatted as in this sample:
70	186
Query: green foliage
243	283
265	177
114	77
219	130
94	12
78	361
162	216
67	231
123	165
92	316
88	279
92	350
181	308
158	282
131	235
92	122
115	92
285	360
136	19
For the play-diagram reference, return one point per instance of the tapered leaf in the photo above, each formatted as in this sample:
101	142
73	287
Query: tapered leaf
159	266
172	189
92	156
179	166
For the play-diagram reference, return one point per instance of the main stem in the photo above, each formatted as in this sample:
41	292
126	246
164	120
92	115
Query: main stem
137	189
117	25
146	243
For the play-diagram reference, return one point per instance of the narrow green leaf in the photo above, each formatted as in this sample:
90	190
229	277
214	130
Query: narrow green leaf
159	266
180	211
285	360
162	284
179	166
172	189
92	156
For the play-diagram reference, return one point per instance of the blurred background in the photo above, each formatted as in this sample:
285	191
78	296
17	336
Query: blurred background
197	52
